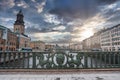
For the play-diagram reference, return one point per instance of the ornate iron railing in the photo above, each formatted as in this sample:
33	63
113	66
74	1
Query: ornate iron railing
59	60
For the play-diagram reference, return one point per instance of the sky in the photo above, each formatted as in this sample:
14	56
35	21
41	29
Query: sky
61	21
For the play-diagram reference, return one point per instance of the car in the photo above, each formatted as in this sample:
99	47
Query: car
25	49
95	49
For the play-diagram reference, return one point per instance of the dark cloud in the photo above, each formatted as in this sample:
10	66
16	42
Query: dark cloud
33	29
66	11
107	1
77	8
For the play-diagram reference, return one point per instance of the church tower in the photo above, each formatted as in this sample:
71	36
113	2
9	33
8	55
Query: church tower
19	26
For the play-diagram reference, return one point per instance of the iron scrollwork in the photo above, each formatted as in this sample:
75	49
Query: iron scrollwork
59	60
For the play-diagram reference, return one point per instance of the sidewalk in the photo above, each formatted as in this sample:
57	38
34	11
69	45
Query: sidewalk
92	75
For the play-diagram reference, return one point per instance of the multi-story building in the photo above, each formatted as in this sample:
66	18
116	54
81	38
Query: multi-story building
87	44
96	41
11	41
49	46
115	38
111	39
8	39
19	29
2	40
37	45
93	42
77	46
107	40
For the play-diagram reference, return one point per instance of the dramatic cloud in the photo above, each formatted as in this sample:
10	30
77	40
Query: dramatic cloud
40	6
6	4
61	21
52	19
22	3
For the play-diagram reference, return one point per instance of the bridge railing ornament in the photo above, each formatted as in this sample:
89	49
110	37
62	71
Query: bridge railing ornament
59	60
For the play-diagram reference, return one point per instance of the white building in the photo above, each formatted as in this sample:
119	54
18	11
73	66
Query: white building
92	42
110	40
107	40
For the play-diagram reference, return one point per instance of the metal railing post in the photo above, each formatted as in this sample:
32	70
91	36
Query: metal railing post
34	60
85	60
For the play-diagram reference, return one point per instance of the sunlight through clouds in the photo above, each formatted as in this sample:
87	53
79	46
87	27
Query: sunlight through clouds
60	20
50	36
89	27
60	28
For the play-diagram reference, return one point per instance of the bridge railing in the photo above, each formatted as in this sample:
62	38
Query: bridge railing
59	60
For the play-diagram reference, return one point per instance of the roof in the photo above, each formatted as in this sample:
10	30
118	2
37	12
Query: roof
110	28
3	28
25	35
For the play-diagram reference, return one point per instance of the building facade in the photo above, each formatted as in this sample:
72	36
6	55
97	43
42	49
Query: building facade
49	47
37	45
96	41
23	41
8	39
106	40
110	39
2	40
77	46
19	29
93	42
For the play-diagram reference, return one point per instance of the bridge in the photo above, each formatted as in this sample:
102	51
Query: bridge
59	60
60	65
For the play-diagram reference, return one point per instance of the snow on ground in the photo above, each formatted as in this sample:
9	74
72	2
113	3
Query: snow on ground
70	76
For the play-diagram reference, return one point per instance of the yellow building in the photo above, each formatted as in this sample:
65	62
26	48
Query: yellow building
37	45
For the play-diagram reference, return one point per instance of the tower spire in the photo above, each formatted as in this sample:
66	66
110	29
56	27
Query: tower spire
19	19
19	23
20	11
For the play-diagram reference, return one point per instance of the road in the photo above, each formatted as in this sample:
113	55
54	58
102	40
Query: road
115	75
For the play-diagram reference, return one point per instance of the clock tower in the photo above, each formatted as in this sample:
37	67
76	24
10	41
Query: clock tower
19	26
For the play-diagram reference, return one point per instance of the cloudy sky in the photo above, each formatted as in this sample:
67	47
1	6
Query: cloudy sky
61	21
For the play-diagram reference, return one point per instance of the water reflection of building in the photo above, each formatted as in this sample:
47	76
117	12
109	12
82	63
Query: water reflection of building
8	39
19	29
37	45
